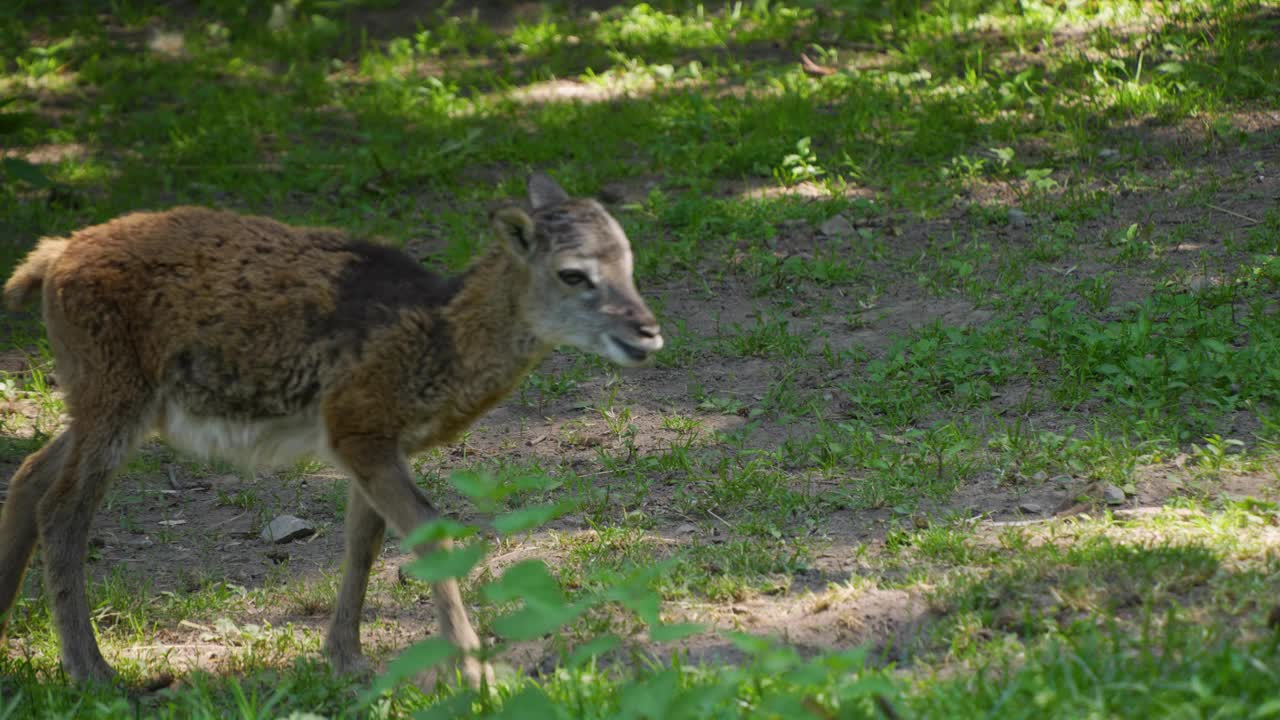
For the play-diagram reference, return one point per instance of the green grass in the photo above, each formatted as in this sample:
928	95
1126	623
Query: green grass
1006	254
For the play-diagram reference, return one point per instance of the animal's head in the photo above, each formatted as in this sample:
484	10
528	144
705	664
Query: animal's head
579	262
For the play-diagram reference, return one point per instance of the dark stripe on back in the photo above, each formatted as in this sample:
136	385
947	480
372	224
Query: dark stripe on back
377	284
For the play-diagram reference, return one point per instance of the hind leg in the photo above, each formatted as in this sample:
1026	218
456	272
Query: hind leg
18	528
99	444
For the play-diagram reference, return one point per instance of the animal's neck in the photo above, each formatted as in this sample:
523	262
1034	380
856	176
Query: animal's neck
495	345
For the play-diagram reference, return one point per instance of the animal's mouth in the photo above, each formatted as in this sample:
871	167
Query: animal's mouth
637	353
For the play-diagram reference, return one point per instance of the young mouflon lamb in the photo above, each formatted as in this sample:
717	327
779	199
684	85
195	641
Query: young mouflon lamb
242	338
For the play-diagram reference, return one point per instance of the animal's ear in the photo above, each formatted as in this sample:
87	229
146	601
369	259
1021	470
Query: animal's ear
545	192
515	229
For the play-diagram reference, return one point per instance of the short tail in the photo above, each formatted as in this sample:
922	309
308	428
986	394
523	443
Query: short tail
29	276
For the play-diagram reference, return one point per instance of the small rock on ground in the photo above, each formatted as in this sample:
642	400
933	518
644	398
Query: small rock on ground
1030	508
1113	495
837	227
286	528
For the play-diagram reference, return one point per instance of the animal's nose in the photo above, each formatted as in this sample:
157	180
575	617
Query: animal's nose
646	324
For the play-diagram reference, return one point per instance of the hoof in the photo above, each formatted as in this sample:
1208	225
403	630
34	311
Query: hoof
477	673
473	673
355	666
98	673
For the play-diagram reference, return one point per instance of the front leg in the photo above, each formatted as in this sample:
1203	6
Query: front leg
379	469
364	532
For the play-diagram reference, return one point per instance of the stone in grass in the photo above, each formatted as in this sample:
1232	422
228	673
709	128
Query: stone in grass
838	228
1112	494
1018	218
1030	508
286	528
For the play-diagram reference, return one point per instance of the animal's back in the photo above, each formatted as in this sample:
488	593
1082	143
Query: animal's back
238	322
193	275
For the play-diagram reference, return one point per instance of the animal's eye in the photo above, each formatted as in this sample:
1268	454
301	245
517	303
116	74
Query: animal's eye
575	278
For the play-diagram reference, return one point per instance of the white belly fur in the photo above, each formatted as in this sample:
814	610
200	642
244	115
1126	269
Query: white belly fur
276	442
